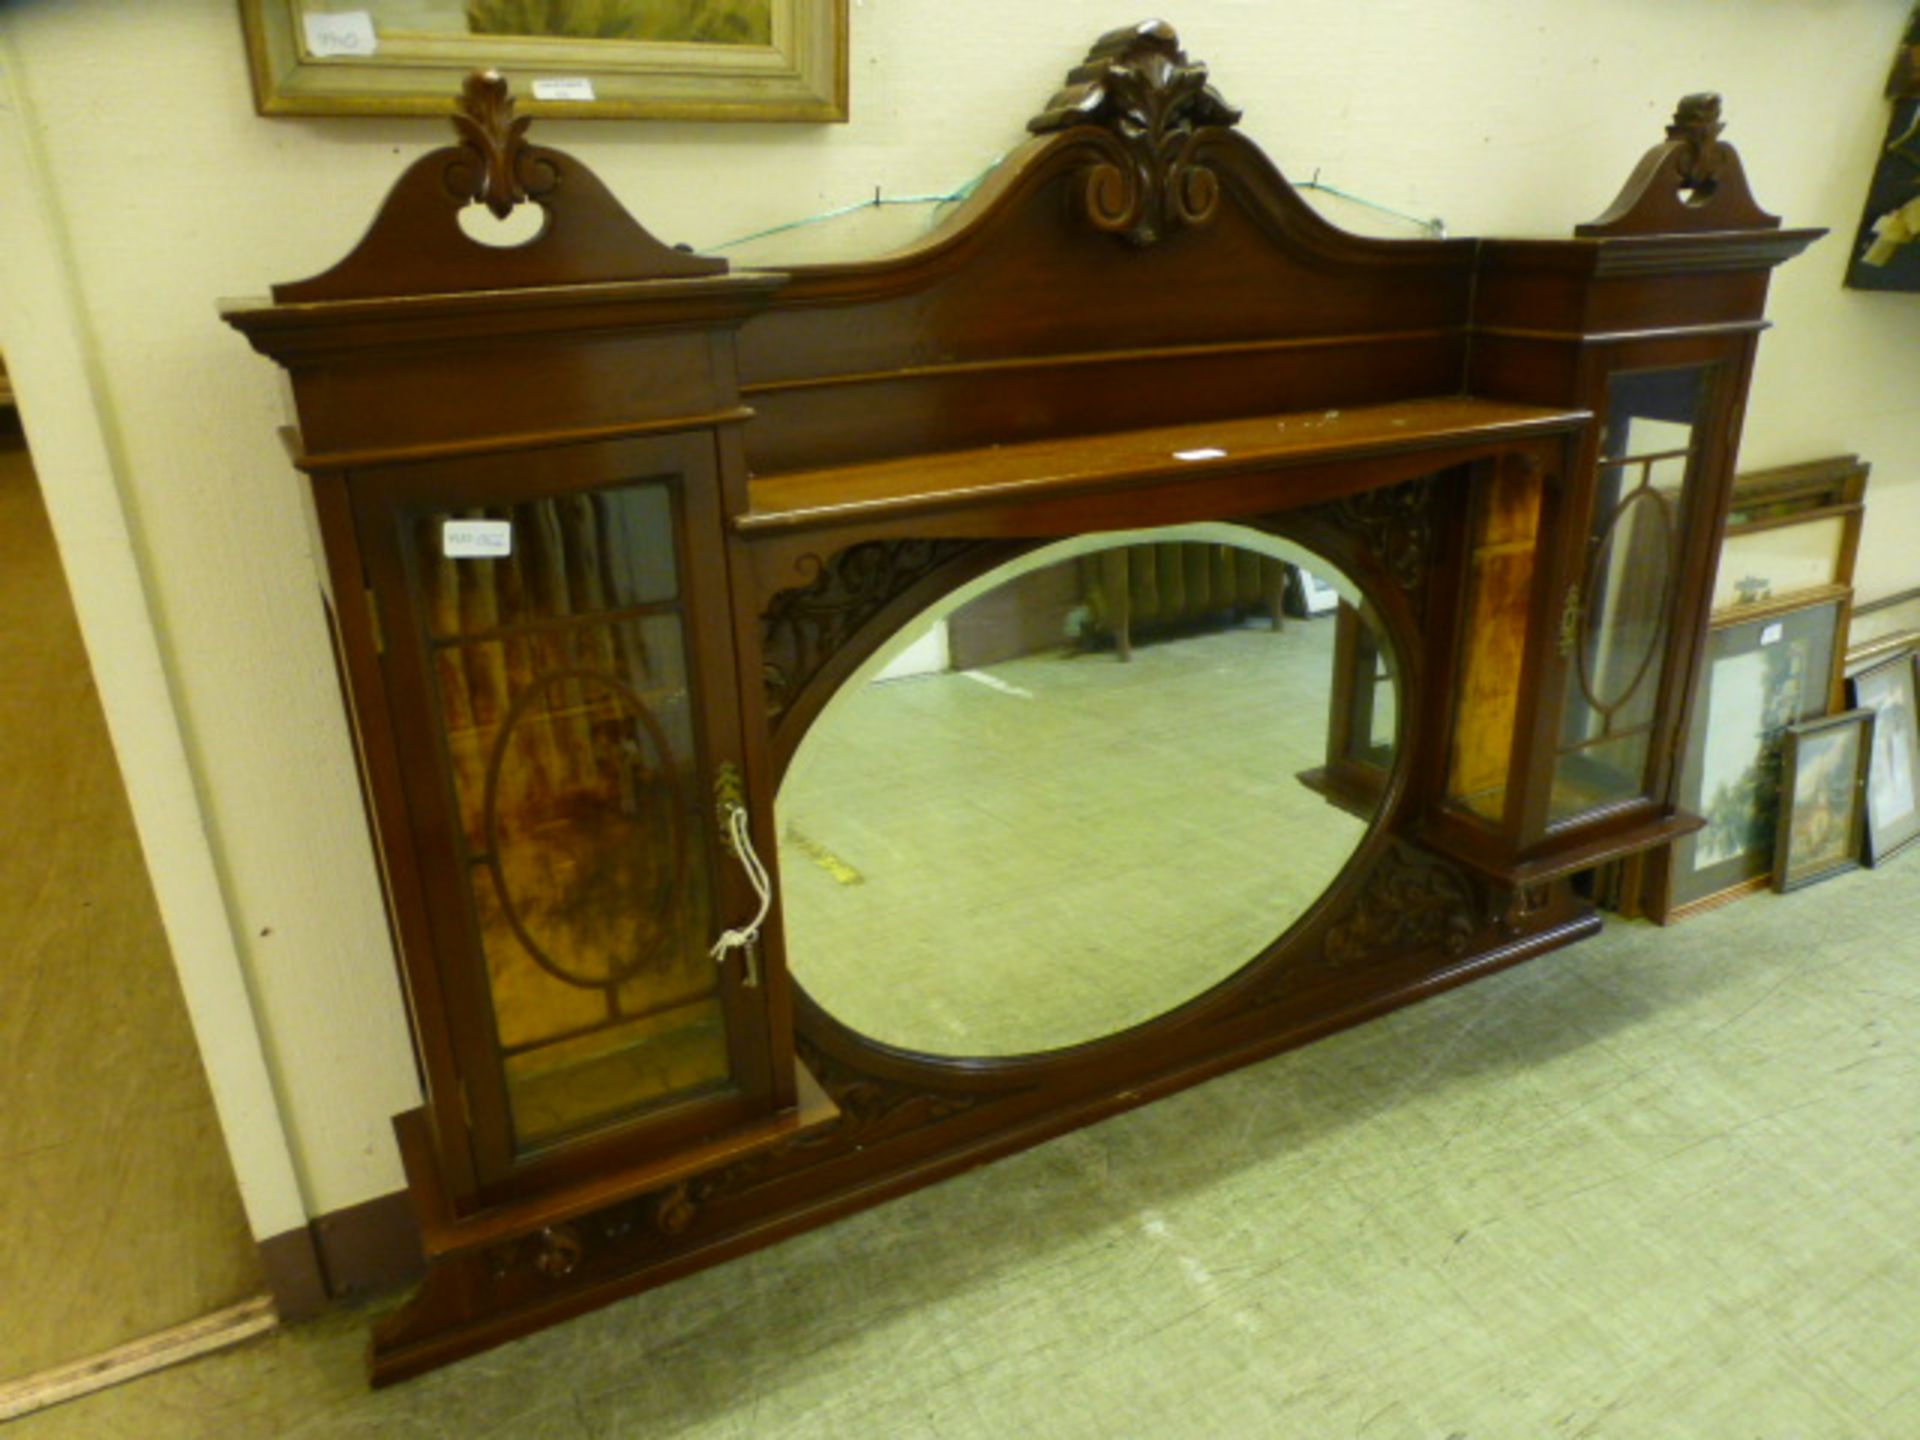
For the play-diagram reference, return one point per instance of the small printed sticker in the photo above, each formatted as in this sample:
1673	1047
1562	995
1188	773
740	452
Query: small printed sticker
569	87
348	32
1772	634
1205	454
476	539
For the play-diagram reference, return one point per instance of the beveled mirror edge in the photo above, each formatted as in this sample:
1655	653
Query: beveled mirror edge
903	635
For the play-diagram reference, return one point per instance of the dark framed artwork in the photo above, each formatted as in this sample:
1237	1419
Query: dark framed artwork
1893	778
1885	255
1764	671
1823	783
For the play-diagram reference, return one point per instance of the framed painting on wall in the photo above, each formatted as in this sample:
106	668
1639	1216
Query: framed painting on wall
1823	778
1893	780
1765	670
1885	255
654	59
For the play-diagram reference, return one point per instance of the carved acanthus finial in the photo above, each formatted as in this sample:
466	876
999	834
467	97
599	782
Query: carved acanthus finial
508	172
1138	84
1696	124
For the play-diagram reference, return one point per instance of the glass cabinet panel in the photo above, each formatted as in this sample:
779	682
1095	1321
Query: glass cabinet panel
1614	629
1503	555
560	670
1372	714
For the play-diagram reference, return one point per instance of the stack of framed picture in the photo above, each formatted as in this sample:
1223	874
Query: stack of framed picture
1822	829
1775	657
1886	691
1883	627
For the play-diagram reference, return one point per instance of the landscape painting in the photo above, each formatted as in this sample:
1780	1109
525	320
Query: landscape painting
1763	674
703	22
650	59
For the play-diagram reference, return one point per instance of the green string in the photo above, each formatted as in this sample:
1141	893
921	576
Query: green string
1435	227
959	192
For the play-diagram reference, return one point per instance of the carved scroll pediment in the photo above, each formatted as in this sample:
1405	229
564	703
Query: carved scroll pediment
416	245
1138	86
1692	182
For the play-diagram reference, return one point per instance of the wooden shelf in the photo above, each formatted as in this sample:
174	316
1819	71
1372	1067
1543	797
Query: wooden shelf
1041	469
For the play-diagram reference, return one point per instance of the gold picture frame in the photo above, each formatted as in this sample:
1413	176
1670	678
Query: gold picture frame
1823	793
700	60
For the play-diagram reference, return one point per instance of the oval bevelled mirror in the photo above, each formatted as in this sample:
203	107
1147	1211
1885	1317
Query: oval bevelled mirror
1082	790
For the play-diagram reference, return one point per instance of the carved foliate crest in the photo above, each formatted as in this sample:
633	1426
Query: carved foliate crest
1138	85
509	171
1696	124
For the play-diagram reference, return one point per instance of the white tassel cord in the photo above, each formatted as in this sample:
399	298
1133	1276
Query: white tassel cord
745	937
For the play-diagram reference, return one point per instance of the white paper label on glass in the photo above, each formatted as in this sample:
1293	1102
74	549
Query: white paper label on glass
1771	634
566	87
1208	453
476	539
348	32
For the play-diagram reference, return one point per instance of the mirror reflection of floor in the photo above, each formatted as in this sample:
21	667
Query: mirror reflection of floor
1061	846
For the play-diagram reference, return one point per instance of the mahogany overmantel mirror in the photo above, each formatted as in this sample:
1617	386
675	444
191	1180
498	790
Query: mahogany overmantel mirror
827	727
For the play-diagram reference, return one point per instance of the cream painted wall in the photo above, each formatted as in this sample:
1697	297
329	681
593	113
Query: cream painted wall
166	191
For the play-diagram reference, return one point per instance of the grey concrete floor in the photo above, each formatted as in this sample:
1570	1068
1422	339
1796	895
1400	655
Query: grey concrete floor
1664	1183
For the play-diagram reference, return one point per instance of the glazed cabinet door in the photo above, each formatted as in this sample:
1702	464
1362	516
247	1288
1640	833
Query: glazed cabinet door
1627	597
563	697
1582	591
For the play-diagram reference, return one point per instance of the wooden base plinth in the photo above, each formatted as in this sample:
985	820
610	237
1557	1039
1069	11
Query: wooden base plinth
890	1134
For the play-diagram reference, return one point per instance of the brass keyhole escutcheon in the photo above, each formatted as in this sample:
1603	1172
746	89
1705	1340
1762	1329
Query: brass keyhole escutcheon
1570	622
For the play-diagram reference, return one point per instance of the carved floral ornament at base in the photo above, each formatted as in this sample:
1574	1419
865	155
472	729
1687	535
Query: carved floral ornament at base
1411	901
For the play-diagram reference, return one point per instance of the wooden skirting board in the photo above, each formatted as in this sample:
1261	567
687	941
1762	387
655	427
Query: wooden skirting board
361	1250
138	1357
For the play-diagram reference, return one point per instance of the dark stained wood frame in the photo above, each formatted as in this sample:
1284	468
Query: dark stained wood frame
1134	284
1784	878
